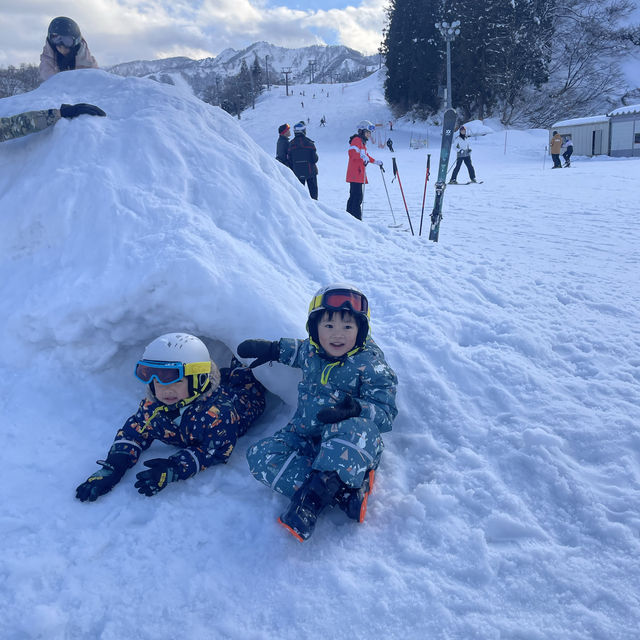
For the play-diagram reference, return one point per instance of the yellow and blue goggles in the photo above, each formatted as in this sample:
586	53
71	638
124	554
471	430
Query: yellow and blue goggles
168	372
338	299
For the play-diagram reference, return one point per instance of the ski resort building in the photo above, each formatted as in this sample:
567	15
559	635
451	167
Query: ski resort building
590	136
615	134
625	131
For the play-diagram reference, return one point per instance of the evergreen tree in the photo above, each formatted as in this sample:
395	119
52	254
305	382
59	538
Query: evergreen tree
413	57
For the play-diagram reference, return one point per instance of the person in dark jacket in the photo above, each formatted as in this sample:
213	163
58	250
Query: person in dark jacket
190	405
282	148
303	158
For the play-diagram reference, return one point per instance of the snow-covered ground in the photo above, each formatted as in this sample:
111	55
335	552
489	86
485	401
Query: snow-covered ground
508	498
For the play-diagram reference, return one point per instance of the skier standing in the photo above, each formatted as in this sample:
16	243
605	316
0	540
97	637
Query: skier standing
463	155
282	147
568	143
556	148
329	451
356	169
64	49
303	157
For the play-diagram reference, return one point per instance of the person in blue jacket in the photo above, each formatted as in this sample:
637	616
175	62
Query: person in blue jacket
329	451
191	405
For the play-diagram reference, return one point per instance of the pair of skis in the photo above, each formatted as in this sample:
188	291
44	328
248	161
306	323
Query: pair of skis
448	124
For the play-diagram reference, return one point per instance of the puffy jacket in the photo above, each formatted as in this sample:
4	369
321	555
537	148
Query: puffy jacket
25	123
282	149
49	60
462	146
206	430
358	159
365	375
302	156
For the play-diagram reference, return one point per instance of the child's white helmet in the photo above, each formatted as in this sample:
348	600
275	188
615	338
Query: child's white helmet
366	125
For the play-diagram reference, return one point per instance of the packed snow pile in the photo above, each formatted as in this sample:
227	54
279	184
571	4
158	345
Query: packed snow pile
506	503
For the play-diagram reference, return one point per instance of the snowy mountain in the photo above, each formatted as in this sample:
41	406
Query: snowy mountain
506	502
334	63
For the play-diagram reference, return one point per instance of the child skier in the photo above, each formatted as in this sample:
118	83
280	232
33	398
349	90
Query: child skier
190	404
329	451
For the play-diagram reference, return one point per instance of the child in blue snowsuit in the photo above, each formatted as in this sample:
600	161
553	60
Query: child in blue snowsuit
191	405
329	451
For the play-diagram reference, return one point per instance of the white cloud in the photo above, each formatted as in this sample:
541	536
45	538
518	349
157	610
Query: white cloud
123	30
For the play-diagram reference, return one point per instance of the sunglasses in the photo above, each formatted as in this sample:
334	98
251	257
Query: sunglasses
67	41
340	299
168	372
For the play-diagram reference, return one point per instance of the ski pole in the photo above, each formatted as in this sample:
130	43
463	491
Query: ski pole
424	194
384	182
396	174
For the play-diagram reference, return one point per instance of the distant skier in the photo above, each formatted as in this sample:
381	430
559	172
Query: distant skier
64	49
390	144
463	155
191	405
282	147
23	124
556	148
329	452
303	158
568	143
323	122
356	169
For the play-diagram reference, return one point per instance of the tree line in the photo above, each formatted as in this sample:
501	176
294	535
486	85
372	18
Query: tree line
527	61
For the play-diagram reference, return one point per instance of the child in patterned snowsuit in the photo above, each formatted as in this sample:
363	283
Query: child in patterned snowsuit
329	451
191	405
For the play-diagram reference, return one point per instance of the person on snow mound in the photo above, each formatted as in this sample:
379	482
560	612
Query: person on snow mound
356	172
303	158
23	124
191	405
329	451
64	49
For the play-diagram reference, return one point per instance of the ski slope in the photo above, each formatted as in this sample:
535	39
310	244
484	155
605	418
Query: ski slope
507	501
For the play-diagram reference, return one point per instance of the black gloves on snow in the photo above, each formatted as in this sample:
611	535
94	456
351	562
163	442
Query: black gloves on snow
103	480
262	350
348	408
161	472
75	110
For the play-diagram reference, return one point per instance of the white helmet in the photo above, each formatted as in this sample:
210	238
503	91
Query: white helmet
174	356
366	125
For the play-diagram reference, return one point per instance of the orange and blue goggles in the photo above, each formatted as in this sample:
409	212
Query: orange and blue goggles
338	299
168	372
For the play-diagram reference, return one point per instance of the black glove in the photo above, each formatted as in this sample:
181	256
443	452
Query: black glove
75	110
262	350
103	480
348	408
161	472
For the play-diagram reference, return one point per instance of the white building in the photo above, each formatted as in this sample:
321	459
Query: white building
615	134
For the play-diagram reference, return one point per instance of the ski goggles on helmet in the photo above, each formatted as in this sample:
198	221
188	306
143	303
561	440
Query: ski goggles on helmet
168	372
337	299
67	41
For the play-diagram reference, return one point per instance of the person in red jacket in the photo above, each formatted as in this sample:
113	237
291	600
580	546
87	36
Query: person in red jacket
356	172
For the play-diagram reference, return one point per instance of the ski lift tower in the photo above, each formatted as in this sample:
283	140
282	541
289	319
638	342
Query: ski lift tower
449	33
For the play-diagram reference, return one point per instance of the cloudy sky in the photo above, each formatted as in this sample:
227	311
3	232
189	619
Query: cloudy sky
123	30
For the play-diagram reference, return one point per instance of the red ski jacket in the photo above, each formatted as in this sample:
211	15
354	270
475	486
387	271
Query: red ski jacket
358	159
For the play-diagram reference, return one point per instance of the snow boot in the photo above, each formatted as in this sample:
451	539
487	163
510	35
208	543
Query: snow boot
354	501
318	491
453	182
